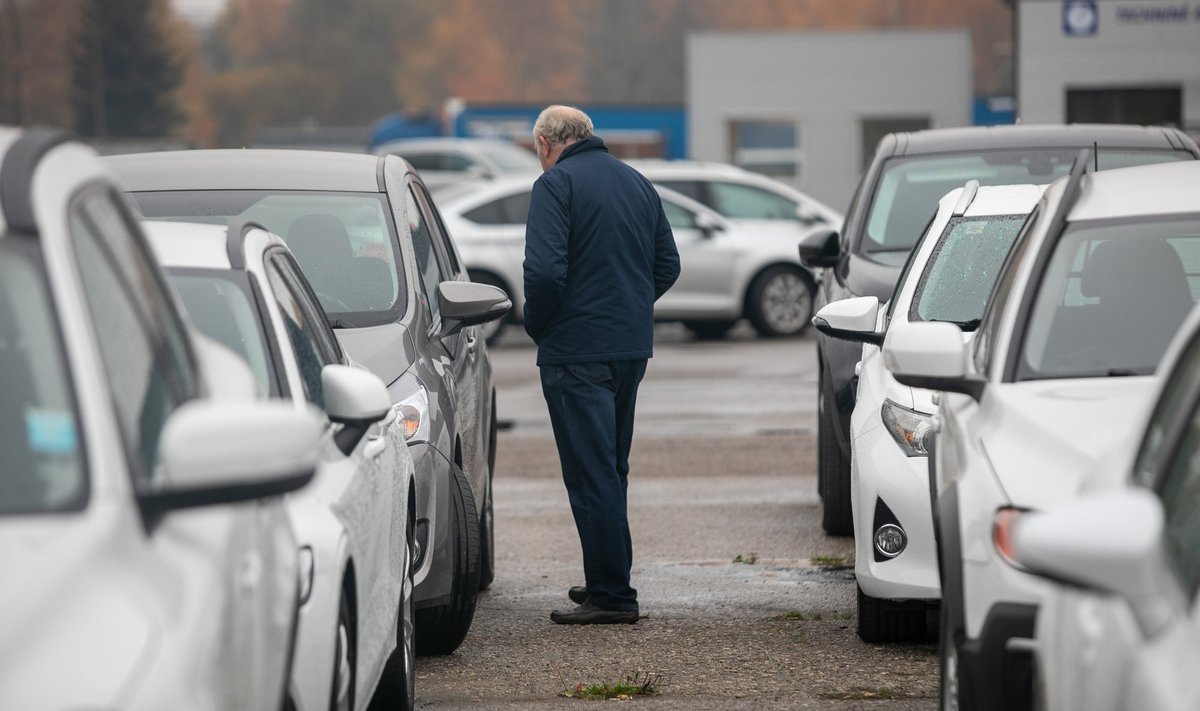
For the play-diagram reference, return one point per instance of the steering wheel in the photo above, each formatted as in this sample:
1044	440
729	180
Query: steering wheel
332	303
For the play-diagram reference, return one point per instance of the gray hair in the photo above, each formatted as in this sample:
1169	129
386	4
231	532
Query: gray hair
562	124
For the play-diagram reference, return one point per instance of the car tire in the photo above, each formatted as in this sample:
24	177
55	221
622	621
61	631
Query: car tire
837	516
709	330
491	331
779	302
883	621
396	690
441	629
341	693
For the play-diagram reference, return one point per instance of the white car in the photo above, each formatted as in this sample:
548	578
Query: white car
949	277
1095	288
441	161
728	271
738	194
147	568
1122	633
354	524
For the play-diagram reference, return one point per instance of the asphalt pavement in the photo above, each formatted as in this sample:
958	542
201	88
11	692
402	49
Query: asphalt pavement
746	604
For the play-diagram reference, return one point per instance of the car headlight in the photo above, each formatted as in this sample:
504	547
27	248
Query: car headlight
412	412
912	430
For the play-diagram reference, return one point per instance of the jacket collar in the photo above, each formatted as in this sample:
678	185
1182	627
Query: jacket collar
594	143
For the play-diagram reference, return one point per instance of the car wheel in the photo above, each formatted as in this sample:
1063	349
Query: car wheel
396	690
441	629
881	621
492	330
837	517
341	697
780	301
709	330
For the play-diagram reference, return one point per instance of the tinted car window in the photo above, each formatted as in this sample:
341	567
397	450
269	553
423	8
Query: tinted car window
745	201
1179	389
1111	298
424	161
41	442
427	265
678	217
301	332
221	305
510	210
961	272
908	186
692	188
345	242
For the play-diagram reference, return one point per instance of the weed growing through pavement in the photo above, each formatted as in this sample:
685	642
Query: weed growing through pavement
638	683
749	559
845	615
806	616
887	694
828	561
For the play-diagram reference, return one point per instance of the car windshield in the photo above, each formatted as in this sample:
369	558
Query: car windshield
345	242
511	159
1111	298
962	270
43	467
222	306
910	187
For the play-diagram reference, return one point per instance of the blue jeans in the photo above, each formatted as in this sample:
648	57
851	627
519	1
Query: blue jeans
591	409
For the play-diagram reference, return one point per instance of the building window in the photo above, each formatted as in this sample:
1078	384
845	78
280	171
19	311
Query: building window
874	129
1148	107
773	148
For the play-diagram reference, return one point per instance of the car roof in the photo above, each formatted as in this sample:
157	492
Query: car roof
1035	136
1159	189
250	169
664	167
1004	200
443	142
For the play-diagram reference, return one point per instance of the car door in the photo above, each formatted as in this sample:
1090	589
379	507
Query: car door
708	262
359	488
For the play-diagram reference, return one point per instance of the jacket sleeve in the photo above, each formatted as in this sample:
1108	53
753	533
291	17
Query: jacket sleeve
545	268
666	256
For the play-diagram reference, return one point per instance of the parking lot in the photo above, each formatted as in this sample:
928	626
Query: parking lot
745	602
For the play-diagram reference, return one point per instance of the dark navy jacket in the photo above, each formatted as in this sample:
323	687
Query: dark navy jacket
598	254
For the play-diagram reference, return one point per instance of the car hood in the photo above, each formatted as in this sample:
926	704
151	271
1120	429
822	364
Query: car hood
68	609
387	350
1046	439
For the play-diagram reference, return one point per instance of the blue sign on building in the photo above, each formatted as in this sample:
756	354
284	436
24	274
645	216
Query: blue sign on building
1080	18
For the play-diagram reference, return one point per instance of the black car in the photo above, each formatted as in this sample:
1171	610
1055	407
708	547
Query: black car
894	202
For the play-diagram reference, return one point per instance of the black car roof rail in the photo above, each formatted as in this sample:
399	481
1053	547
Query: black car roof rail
234	236
16	176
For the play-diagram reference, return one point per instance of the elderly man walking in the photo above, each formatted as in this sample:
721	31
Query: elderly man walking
598	254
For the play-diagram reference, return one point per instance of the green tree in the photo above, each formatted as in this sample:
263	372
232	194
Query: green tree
124	76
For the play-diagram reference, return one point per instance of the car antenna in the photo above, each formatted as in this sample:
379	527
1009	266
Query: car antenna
1096	156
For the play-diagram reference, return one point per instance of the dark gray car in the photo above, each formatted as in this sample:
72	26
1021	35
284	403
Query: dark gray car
375	251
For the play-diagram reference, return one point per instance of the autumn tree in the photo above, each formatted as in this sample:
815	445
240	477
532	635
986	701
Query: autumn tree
124	76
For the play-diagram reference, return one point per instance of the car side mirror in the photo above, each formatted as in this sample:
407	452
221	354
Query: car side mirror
1112	543
931	355
851	320
355	399
465	303
708	224
819	249
230	451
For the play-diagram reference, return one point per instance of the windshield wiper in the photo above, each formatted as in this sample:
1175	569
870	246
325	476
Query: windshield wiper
338	323
1119	373
968	325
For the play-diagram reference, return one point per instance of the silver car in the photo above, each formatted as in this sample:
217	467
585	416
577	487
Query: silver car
447	160
145	567
375	251
354	522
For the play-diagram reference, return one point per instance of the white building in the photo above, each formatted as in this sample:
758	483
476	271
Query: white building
808	107
1108	61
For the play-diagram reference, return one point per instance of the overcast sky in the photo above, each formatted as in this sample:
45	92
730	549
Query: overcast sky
200	12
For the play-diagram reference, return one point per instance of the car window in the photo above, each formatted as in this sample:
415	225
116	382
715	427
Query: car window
1111	298
909	185
327	343
745	201
221	304
509	210
691	188
1180	493
961	272
989	327
680	218
1179	389
41	441
345	242
146	376
906	270
301	332
444	246
511	158
424	161
428	268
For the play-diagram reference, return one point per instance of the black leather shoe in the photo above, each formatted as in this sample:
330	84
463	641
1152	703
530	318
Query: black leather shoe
578	594
589	614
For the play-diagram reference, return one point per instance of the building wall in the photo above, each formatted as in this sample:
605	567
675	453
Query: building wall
1106	44
827	83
